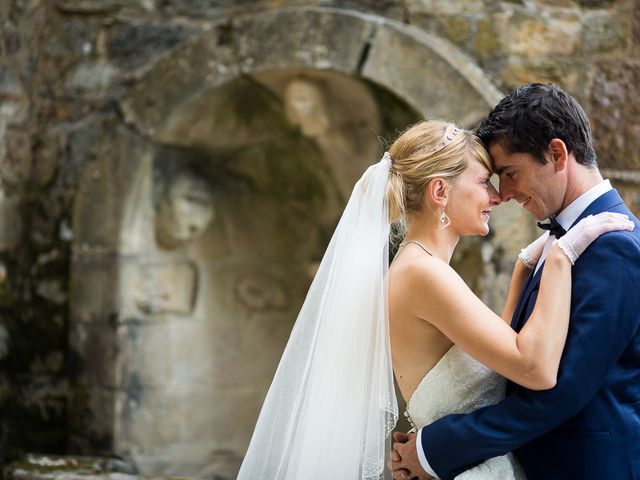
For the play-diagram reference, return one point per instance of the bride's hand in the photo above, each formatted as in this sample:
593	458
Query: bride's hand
404	458
530	255
577	239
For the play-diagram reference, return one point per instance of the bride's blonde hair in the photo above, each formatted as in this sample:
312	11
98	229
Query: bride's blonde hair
427	150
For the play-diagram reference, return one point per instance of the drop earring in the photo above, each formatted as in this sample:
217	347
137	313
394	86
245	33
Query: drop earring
444	220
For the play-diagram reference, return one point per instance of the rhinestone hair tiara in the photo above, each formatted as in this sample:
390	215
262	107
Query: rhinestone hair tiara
449	134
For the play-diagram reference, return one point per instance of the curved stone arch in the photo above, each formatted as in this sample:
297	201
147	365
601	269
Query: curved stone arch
374	48
114	243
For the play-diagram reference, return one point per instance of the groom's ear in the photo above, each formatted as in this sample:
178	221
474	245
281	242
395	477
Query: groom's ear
558	154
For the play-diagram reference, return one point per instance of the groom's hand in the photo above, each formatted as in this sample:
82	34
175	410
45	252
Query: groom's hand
404	458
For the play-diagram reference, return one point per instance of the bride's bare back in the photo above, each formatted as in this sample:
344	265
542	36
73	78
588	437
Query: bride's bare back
416	345
430	307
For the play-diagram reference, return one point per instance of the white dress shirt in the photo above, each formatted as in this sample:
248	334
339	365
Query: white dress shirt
566	218
569	215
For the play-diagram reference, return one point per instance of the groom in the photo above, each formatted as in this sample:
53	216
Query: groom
588	426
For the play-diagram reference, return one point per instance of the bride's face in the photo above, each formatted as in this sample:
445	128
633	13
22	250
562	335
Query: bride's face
471	199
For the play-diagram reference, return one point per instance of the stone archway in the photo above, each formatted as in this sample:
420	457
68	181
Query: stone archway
365	46
160	347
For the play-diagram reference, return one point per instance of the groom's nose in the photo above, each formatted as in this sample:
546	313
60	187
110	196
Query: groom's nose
505	190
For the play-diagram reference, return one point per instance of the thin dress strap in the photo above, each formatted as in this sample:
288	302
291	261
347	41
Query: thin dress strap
415	242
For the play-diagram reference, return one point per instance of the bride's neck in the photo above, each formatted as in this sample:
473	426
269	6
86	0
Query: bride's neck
440	241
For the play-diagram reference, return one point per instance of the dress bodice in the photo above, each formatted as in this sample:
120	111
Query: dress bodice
458	383
462	384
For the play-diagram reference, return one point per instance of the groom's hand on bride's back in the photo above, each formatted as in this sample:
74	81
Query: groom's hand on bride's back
404	458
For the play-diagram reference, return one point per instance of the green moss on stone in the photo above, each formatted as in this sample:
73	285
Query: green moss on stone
457	28
486	40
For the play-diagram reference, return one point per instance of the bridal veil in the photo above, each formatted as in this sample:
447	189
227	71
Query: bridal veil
332	402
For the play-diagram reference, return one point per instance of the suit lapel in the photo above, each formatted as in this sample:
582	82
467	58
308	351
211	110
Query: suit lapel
603	203
517	315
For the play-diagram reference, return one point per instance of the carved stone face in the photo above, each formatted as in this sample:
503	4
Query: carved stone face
185	211
305	104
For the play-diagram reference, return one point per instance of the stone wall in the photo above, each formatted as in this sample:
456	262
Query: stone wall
94	92
35	198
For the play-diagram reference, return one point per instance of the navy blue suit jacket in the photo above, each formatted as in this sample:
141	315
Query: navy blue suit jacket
588	426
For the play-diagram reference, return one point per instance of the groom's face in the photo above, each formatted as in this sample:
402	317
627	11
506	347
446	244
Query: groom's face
534	185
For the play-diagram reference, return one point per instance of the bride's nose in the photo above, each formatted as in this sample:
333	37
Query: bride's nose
494	196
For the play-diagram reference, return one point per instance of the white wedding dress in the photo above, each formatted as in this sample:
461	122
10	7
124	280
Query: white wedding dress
458	383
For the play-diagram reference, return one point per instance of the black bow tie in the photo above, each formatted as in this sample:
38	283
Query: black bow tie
553	226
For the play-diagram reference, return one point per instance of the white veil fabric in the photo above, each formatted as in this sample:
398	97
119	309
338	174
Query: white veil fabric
332	402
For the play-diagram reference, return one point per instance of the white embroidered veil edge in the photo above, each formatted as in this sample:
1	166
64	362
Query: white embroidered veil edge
332	402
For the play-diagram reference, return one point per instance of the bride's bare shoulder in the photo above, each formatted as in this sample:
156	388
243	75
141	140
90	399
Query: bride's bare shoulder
416	271
415	266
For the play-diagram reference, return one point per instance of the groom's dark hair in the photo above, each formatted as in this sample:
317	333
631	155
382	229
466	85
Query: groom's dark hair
531	116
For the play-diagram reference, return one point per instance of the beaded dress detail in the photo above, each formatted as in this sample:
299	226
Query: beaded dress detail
460	384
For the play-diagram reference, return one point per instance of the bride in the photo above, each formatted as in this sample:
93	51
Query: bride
332	405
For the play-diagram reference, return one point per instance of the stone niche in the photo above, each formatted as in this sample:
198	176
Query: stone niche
185	294
202	219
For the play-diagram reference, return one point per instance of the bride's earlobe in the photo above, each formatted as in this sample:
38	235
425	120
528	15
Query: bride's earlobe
438	191
436	198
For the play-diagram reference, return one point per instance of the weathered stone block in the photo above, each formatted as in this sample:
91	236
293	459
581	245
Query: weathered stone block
94	283
132	46
53	467
530	36
203	9
457	28
169	287
92	418
487	40
4	350
605	32
211	346
595	3
48	223
89	6
444	7
165	435
107	159
225	336
52	290
314	38
146	353
630	192
11	218
178	79
636	25
71	38
15	165
430	74
13	100
519	71
46	157
268	329
91	76
614	114
385	8
97	210
261	293
36	414
94	350
552	3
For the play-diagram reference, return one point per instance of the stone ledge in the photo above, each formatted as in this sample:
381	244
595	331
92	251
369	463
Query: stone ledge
50	467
